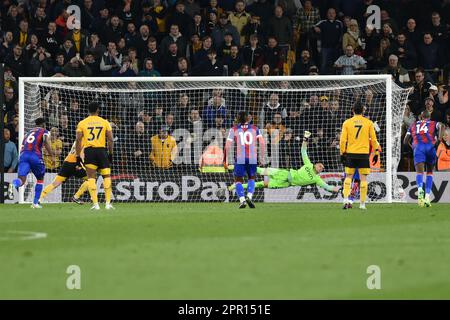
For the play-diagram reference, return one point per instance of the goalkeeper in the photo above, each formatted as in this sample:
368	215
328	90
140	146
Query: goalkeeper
283	178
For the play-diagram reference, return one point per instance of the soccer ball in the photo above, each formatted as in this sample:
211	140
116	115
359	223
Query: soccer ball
220	193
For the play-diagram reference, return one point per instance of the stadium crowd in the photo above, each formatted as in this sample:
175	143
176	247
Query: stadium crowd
156	38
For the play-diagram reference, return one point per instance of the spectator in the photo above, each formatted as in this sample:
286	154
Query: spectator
59	65
191	7
370	40
88	14
53	162
76	68
273	56
330	33
13	128
78	37
239	19
31	47
387	32
253	54
224	49
212	7
306	18
156	14
68	50
41	64
223	28
113	31
211	67
197	26
39	23
131	36
22	35
169	63
438	97
350	62
100	23
430	56
153	52
10	99
352	38
412	34
436	115
438	30
7	45
11	156
111	60
301	68
399	74
137	149
443	152
381	54
143	39
262	9
16	61
419	93
210	112
163	149
280	27
276	128
95	46
65	131
174	36
181	109
270	109
290	150
254	27
265	71
211	23
180	17
12	18
149	70
201	55
405	52
233	61
183	68
126	70
134	61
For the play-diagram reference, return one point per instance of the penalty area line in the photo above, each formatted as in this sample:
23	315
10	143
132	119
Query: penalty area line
21	235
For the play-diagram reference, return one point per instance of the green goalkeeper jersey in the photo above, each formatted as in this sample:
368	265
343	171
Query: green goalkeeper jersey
307	175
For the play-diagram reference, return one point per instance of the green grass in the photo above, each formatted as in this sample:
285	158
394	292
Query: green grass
215	251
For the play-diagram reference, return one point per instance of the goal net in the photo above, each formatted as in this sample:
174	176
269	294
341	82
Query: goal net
197	114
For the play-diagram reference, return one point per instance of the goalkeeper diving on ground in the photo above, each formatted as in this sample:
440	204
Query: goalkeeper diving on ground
275	178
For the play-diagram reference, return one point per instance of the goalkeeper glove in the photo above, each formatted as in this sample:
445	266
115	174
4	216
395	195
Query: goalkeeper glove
306	136
375	158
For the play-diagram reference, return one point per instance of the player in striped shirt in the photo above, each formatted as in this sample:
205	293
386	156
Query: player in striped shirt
423	134
246	137
31	160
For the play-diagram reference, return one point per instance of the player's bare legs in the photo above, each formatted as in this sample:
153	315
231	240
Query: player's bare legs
420	169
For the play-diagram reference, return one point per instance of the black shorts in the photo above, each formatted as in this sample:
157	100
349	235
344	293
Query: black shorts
360	163
71	169
96	158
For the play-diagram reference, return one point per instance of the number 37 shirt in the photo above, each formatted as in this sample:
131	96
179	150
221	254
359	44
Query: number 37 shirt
94	131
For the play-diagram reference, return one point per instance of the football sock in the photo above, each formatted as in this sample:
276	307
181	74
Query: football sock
37	191
47	190
429	184
419	180
82	190
347	186
92	187
239	189
17	183
108	189
251	187
363	191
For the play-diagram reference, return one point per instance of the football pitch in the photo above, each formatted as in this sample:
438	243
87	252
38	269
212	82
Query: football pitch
215	251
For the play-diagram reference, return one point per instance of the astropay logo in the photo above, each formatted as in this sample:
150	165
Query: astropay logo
190	188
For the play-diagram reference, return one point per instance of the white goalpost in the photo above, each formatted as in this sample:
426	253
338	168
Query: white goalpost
198	112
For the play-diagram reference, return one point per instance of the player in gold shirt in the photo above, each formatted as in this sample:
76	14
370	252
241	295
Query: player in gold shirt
357	137
70	168
95	134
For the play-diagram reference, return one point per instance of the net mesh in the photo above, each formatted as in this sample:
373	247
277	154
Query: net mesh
187	166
